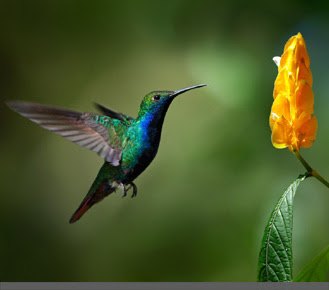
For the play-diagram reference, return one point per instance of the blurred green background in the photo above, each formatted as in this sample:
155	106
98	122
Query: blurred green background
204	201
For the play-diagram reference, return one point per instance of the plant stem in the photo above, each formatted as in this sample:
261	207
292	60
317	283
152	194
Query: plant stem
320	178
309	169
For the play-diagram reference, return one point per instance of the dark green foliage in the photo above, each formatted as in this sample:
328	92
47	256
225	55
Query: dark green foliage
317	270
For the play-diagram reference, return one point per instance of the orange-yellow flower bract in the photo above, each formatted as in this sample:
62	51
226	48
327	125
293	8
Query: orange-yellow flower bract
292	118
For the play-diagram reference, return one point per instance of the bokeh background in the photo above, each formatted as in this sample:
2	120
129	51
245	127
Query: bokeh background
204	201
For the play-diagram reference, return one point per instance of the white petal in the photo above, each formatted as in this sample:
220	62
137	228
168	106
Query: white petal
276	60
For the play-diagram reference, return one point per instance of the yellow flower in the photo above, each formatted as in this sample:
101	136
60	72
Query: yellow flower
292	118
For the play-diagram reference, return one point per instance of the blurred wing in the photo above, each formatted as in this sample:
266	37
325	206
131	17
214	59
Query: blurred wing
80	128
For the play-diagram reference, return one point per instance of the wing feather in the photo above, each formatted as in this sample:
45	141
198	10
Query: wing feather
80	128
113	114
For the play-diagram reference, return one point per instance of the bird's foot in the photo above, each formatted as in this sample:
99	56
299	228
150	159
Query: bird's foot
134	189
124	191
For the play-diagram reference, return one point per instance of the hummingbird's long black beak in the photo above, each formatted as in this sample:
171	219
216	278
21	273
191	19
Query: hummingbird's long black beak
178	92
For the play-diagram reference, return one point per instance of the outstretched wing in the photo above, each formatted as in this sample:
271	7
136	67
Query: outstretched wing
113	114
84	129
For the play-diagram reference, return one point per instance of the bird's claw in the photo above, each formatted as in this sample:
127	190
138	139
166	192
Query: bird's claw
134	189
124	191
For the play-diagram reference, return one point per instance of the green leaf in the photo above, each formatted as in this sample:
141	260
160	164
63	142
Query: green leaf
316	270
275	257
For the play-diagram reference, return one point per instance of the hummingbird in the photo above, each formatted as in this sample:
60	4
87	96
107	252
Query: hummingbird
128	145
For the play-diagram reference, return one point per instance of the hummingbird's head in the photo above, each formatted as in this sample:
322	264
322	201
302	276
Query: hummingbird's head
157	102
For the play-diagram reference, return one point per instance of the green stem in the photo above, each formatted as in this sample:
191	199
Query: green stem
309	169
320	178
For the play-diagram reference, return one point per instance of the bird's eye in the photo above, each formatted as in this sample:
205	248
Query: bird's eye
156	98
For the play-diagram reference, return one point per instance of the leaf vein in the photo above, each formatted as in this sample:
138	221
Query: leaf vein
284	249
279	260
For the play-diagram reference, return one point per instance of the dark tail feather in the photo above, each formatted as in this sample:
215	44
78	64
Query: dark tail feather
81	210
97	192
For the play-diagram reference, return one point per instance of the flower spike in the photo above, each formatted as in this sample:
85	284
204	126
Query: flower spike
292	118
